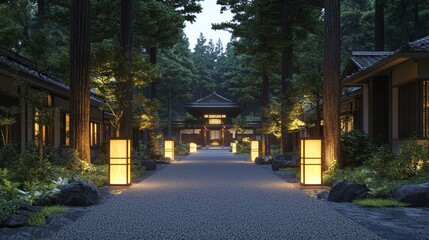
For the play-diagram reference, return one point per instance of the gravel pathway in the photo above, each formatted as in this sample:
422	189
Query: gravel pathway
220	197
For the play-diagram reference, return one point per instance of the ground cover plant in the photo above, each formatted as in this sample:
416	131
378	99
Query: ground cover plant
382	170
39	218
27	178
379	202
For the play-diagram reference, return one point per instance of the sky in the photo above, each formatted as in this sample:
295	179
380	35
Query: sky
210	14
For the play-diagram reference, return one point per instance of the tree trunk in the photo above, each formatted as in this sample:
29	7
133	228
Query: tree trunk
40	13
169	114
153	84
317	123
331	83
126	39
287	74
404	22
416	19
379	25
265	106
79	79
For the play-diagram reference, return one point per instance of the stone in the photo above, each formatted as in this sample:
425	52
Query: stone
288	157
277	164
322	195
29	208
149	164
166	160
260	161
415	195
77	194
344	191
18	220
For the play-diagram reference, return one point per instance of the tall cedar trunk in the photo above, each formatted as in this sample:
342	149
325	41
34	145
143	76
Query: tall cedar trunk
40	13
79	79
287	74
265	105
126	39
153	85
317	123
331	83
169	114
404	22
379	25
416	19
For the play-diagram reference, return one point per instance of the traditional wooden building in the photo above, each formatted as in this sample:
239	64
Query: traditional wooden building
394	103
18	80
213	125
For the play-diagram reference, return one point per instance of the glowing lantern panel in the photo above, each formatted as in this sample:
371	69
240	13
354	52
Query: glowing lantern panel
311	161
234	147
169	149
254	149
120	162
192	147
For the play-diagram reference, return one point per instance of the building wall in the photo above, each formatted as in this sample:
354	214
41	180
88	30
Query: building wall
60	102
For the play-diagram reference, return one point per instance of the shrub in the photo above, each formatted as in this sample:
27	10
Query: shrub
243	147
39	218
8	155
181	149
30	167
355	149
103	157
96	174
8	206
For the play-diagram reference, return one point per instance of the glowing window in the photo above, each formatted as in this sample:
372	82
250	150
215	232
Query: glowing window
94	134
215	121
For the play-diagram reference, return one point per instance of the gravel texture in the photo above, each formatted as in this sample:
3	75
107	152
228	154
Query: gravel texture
222	196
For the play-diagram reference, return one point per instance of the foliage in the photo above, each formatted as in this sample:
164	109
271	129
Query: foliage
7	119
95	174
39	218
355	148
243	146
385	171
8	155
30	167
8	206
36	191
181	149
379	202
137	170
109	76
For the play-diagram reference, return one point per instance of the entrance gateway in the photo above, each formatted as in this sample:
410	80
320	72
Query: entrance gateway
213	125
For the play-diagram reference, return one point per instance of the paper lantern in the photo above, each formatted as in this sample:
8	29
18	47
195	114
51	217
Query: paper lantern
119	162
192	148
254	149
311	161
169	149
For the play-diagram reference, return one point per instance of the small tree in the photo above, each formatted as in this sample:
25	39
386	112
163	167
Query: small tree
238	125
107	73
7	119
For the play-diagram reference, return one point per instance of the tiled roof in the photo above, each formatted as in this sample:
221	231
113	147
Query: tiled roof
418	45
23	65
364	60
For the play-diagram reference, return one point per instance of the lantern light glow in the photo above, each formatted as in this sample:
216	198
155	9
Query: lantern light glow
234	147
119	162
254	150
169	149
192	147
311	161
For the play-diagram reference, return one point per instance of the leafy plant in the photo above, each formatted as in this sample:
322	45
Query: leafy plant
8	206
39	218
8	155
379	202
355	149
